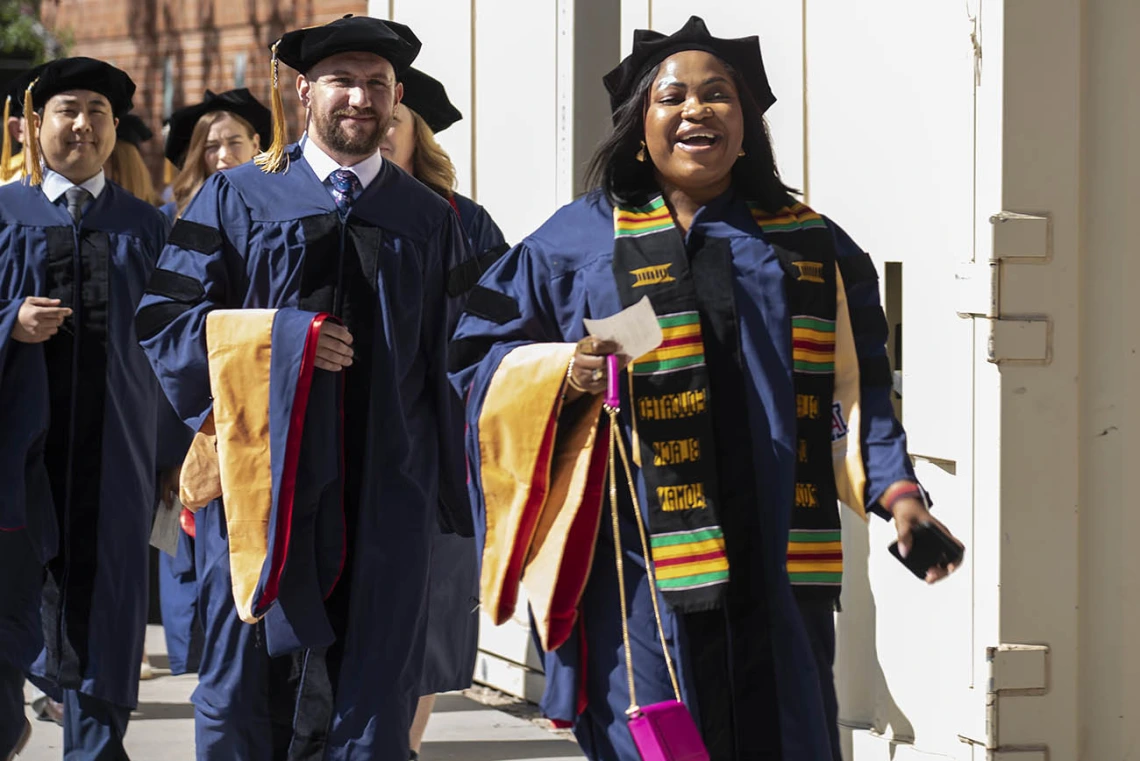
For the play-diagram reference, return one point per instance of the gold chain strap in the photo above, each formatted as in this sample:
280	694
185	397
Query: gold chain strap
617	442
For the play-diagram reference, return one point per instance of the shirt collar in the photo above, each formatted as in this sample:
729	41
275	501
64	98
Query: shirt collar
323	165
55	184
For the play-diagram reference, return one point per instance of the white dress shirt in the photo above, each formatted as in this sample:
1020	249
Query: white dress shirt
55	185
323	165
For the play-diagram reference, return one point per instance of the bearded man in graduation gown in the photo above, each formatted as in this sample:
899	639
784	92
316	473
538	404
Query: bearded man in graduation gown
78	408
297	292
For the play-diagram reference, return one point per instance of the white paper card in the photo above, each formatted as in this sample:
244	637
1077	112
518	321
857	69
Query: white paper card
635	329
164	533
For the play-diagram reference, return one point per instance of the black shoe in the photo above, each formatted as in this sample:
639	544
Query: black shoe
414	757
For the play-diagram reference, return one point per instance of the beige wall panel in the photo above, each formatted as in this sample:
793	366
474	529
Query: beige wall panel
1109	374
1039	417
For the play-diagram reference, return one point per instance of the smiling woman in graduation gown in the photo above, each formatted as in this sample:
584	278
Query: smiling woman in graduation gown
754	294
312	568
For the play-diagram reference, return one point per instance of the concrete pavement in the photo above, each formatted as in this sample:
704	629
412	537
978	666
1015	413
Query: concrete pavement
461	729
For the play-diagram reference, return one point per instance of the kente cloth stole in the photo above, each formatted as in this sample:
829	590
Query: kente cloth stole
671	402
827	401
671	410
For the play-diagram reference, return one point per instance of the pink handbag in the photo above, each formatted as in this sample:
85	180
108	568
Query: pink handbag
663	731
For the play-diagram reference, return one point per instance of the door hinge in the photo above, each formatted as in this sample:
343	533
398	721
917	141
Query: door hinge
1013	671
1018	239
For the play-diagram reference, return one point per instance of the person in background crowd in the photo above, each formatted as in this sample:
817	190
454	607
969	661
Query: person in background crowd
126	167
315	277
78	407
453	592
223	131
732	420
11	143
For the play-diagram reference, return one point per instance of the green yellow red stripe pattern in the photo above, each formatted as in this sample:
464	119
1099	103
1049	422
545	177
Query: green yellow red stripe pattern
689	559
788	219
634	221
815	557
813	345
681	346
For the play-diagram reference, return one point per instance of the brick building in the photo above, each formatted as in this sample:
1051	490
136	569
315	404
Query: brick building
176	49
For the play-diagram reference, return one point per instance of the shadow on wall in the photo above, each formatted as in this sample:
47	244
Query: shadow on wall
865	699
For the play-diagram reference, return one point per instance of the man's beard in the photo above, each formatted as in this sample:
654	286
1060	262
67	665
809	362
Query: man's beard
329	130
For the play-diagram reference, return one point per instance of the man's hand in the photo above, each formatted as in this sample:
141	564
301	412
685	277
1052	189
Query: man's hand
38	320
909	512
334	348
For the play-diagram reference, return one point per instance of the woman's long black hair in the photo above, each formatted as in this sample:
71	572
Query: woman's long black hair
616	172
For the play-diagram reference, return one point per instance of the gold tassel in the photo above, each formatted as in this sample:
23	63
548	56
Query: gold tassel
6	149
33	172
273	159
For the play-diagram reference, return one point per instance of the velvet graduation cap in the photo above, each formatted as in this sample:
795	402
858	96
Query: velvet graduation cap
303	49
427	97
70	74
239	102
132	129
651	48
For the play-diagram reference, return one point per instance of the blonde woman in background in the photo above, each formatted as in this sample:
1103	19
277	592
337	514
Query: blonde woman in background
453	594
126	166
225	130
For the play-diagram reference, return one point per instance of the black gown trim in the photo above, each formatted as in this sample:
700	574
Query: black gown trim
496	307
193	236
77	380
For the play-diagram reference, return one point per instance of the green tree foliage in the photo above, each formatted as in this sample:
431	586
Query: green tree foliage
22	35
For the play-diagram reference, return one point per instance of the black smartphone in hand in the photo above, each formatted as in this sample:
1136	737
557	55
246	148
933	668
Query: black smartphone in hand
930	547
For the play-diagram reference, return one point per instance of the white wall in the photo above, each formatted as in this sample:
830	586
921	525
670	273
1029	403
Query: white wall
517	71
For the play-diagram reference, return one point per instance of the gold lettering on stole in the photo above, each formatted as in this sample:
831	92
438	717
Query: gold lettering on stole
807	406
672	406
806	495
655	275
803	450
812	272
682	497
676	452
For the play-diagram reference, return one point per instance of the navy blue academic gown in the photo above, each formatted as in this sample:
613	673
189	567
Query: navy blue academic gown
78	454
252	240
453	591
540	292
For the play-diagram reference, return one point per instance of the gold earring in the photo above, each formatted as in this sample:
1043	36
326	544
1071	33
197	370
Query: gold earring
641	152
741	154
